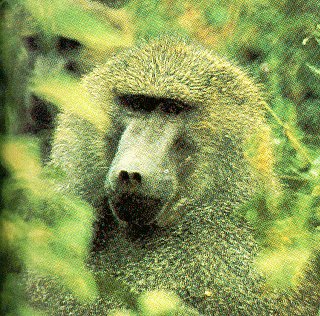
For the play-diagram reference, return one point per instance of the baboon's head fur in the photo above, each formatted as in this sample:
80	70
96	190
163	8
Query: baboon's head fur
179	119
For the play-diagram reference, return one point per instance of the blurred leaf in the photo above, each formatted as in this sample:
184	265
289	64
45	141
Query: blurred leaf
68	94
50	231
314	69
72	19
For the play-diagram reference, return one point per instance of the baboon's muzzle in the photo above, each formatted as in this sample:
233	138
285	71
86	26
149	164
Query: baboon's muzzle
141	176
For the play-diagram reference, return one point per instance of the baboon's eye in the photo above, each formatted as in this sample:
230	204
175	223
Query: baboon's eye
173	106
65	44
137	102
32	43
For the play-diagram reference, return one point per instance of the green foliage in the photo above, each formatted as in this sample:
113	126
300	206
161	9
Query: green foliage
71	19
161	303
50	232
281	55
288	234
158	303
67	94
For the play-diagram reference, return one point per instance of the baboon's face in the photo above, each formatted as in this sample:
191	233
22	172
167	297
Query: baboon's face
179	118
153	158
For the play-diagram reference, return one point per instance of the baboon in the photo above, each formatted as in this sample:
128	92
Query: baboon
35	52
171	168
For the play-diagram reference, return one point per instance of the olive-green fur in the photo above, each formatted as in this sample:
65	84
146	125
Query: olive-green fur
203	250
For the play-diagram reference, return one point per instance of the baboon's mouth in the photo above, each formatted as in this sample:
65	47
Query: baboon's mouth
135	209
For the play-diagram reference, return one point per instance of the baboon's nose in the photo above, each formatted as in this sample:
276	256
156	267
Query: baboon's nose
132	178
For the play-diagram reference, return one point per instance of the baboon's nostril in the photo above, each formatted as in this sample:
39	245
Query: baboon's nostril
123	176
129	178
136	176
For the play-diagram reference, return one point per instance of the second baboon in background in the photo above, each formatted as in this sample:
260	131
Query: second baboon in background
172	166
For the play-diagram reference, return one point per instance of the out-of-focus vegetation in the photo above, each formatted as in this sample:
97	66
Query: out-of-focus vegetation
45	48
51	240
